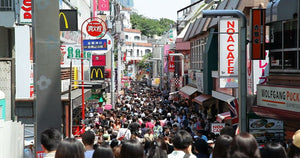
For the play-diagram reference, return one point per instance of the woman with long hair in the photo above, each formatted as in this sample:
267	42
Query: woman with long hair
221	146
244	145
70	148
132	149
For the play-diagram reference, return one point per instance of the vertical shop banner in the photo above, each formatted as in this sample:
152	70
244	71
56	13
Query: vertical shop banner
103	5
228	47
258	34
171	64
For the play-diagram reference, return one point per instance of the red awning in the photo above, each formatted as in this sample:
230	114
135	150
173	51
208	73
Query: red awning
201	98
276	113
223	116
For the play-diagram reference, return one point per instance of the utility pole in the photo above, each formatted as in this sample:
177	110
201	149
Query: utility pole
47	83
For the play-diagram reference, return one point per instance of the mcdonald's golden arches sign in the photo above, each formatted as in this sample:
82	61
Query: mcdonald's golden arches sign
97	73
68	20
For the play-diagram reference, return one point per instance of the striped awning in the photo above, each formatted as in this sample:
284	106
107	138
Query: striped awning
187	91
223	116
201	98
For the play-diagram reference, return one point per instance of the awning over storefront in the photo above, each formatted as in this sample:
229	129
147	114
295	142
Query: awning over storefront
279	10
223	116
76	96
276	113
187	91
226	4
222	96
201	98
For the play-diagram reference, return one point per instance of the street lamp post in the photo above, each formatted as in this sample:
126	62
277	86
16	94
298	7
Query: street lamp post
242	96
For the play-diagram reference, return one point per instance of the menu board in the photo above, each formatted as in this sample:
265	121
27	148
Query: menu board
266	129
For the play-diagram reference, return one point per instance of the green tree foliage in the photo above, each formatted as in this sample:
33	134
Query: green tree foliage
150	27
143	64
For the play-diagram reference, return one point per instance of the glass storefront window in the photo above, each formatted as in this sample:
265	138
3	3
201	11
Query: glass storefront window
276	60
276	35
290	34
290	60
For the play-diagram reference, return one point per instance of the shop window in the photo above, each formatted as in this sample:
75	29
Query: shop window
276	60
290	34
276	35
290	60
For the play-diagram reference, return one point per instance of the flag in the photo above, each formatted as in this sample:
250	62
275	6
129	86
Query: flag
234	113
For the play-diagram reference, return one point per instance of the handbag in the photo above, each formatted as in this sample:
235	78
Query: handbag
123	136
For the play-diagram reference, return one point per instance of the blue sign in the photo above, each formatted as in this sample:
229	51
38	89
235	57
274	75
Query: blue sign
95	44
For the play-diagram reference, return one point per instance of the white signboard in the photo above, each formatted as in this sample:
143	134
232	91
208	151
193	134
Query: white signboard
284	98
24	71
228	47
229	82
25	11
216	127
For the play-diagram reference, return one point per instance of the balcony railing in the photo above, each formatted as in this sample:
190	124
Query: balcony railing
7	5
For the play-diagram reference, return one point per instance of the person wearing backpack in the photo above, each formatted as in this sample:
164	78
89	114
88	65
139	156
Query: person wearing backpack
157	130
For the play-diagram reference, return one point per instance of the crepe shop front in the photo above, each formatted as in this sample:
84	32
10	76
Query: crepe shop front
279	97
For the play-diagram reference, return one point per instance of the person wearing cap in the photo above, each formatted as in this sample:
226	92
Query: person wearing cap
294	148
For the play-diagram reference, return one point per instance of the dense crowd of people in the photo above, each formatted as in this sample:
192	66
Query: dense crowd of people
145	123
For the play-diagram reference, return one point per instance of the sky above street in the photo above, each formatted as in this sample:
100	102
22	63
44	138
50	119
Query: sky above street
160	8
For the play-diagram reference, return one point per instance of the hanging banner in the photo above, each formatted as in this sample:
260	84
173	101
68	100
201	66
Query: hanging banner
258	34
228	47
171	62
103	5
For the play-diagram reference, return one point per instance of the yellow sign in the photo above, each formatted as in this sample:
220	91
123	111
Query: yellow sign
97	73
68	20
65	19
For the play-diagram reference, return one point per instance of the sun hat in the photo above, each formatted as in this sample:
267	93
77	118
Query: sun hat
296	139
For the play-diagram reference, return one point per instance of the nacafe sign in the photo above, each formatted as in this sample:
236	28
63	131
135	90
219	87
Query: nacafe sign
228	47
284	98
25	11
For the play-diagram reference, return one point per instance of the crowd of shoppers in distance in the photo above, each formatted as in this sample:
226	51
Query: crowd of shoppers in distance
146	124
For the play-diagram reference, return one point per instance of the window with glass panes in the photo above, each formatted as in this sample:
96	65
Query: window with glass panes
197	49
284	46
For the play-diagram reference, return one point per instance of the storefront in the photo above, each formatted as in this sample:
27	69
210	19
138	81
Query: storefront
279	97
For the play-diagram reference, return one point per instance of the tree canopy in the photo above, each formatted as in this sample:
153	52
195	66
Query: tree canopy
150	27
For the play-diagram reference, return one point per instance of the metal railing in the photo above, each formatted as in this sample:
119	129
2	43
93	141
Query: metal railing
7	5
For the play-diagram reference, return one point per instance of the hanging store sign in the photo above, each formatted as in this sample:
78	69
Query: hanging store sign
103	5
68	20
228	47
171	62
99	60
258	34
95	44
25	11
97	73
97	28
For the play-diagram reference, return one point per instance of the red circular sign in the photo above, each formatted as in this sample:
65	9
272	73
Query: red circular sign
94	28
